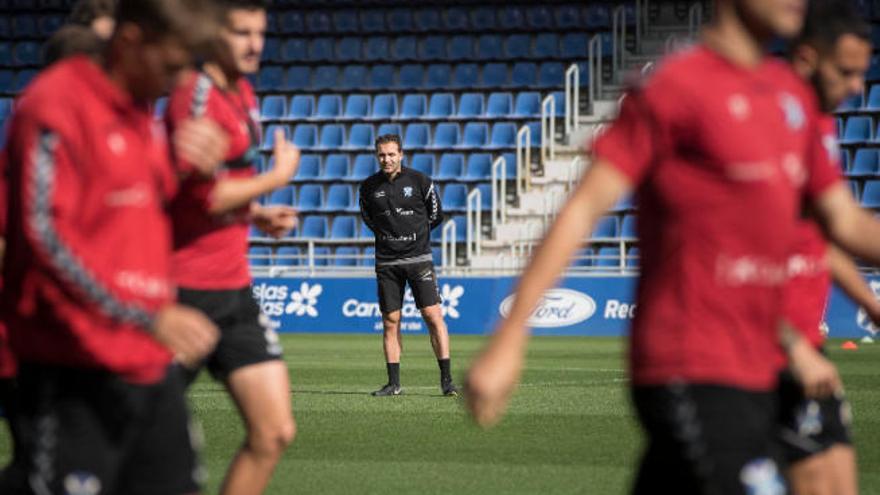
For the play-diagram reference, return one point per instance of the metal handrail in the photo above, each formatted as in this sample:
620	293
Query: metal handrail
646	69
548	129
618	39
523	160
574	171
499	191
695	19
447	244
594	61
572	99
474	218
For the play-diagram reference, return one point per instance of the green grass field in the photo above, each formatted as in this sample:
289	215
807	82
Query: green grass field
569	428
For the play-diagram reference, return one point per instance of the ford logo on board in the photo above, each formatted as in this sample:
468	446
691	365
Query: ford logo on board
558	308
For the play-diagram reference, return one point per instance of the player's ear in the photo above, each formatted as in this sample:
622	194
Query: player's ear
806	56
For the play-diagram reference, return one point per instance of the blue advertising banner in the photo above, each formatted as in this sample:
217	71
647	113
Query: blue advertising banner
579	306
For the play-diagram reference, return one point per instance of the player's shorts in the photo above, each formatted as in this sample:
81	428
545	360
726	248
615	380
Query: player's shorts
245	336
392	280
705	439
89	431
808	427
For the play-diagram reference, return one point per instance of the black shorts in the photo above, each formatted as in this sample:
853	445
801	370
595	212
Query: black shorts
245	336
806	426
88	431
704	439
392	280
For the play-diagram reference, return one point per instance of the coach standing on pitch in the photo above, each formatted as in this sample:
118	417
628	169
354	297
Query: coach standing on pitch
401	207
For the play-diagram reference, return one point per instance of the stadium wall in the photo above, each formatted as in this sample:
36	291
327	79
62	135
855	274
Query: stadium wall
579	306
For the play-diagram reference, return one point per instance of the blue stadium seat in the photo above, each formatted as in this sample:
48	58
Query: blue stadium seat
632	257
865	163
357	107
309	168
608	257
607	227
24	26
873	102
582	258
460	226
404	49
476	135
509	165
26	53
318	22
48	24
344	227
417	137
871	194
451	167
628	227
479	167
574	46
424	163
559	102
539	18
364	166
567	17
503	136
298	78
6	106
411	76
272	51
288	256
499	105
437	76
511	18
856	190
349	49
360	137
305	136
446	135
535	133
413	106
314	227
518	46
295	50
321	50
489	47
301	107
597	16
271	22
273	107
441	106
376	48
22	79
551	75
322	254
6	54
339	198
400	20
546	46
353	77
310	197
269	135
432	48
427	19
436	254
260	255
329	107
326	77
470	106
483	19
485	196
528	104
856	130
626	203
381	77
291	22
524	75
346	255
389	129
369	258
494	76
282	196
456	19
335	167
465	76
270	79
365	232
461	47
345	21
373	21
454	198
5	27
384	107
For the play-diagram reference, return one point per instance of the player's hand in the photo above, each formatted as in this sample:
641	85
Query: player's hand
275	220
817	375
201	143
286	157
186	332
491	380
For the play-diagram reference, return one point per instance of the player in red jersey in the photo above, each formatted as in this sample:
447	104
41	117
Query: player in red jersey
833	53
720	146
212	217
87	296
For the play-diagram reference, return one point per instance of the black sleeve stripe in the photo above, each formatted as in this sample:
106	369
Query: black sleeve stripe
41	186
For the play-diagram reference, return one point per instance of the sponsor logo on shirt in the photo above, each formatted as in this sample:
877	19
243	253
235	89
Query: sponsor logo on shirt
143	285
558	308
404	213
401	238
749	270
407	192
379	194
136	195
82	483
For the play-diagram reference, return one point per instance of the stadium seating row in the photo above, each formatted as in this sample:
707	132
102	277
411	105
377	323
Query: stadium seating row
12	82
343	198
345	228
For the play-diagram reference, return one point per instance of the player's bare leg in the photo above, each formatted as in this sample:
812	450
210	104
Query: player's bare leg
809	476
262	394
433	316
841	462
392	344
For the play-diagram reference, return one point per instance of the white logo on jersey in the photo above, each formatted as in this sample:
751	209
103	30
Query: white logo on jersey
116	143
379	194
739	107
794	112
407	192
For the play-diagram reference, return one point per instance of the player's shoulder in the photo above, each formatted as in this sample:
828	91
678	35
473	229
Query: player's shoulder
189	84
371	182
414	175
48	97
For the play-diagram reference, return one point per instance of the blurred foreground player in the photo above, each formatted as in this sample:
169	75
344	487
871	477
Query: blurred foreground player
87	296
833	53
211	222
717	223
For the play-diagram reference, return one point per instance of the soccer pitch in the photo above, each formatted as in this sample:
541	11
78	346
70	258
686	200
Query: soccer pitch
569	427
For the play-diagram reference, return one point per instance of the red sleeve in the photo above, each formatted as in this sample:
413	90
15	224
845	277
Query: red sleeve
823	157
629	144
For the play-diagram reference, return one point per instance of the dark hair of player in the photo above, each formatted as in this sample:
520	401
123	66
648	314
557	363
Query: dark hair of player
193	22
86	11
828	20
72	39
227	5
389	138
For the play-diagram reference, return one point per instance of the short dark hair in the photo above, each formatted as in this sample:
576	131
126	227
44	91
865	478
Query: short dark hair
389	138
194	22
227	5
86	11
72	39
828	20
